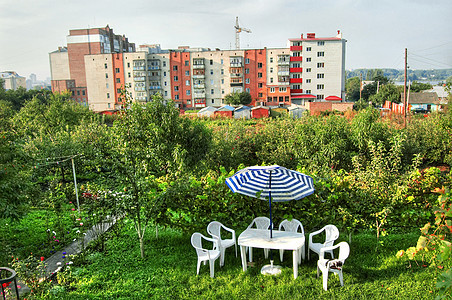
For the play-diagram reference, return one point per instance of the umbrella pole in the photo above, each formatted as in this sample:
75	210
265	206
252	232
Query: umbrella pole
270	204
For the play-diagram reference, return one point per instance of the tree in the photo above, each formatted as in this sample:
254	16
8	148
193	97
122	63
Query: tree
352	88
148	142
236	98
371	88
388	92
417	87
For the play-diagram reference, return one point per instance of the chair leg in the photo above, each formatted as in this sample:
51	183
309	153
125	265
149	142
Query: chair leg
281	254
300	252
318	271
222	257
266	253
198	266
341	279
212	266
309	254
235	249
325	280
303	252
251	254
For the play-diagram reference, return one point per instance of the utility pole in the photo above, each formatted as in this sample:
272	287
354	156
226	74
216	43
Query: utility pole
404	91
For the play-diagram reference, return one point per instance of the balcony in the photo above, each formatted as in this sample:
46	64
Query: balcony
296	91
296	70
199	86
236	65
296	58
236	75
155	87
153	67
296	48
283	62
199	66
199	76
283	73
296	80
199	95
139	78
138	68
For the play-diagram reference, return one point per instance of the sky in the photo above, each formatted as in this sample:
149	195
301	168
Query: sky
377	32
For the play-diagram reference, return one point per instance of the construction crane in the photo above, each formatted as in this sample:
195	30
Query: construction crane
238	29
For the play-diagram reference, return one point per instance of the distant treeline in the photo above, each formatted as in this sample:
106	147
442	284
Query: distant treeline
397	75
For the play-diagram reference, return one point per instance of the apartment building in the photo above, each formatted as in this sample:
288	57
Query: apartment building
310	69
67	64
12	80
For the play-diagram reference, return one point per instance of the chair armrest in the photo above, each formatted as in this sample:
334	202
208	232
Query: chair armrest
228	229
214	241
324	249
314	233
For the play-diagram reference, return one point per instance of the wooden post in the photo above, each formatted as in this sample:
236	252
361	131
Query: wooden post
75	185
404	91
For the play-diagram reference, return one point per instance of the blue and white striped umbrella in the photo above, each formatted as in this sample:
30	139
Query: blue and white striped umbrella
272	183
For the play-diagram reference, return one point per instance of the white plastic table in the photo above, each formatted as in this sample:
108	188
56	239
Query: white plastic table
259	238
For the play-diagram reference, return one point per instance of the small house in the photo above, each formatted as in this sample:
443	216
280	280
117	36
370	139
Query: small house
242	112
225	111
426	101
207	111
296	111
260	112
278	111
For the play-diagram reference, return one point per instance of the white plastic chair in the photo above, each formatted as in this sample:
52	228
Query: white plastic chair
331	232
293	226
214	229
205	255
259	223
324	265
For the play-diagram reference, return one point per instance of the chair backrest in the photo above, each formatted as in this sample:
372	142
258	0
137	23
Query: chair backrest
196	241
332	233
260	223
214	229
344	251
292	226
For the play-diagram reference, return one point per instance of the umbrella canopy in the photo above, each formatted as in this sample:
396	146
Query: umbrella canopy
272	183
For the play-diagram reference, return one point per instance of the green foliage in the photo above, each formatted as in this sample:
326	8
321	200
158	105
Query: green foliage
387	92
32	271
352	89
243	98
417	87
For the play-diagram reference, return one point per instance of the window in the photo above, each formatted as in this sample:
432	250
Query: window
282	89
174	68
222	91
269	99
211	71
176	78
106	66
320	65
308	59
247	60
118	80
320	86
176	97
211	81
308	48
106	75
271	59
118	91
271	70
187	92
259	75
129	75
222	71
221	61
128	65
187	73
211	62
259	85
117	70
321	43
308	91
106	85
247	90
247	81
213	101
211	91
259	65
296	54
320	54
164	74
176	88
272	90
187	82
108	103
319	97
186	62
296	65
164	64
296	87
308	70
308	80
83	93
222	80
164	83
166	93
78	93
321	75
260	95
271	79
281	99
247	71
296	75
286	99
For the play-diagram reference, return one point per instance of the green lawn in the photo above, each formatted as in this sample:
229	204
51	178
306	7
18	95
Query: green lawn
169	272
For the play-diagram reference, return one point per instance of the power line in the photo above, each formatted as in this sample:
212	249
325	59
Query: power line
429	59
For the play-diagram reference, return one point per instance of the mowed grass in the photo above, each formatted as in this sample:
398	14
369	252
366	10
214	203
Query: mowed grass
169	272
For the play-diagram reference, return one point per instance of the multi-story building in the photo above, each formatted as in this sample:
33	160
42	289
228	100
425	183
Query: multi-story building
310	69
12	80
67	64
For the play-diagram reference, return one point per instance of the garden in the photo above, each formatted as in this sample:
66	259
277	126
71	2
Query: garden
161	176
